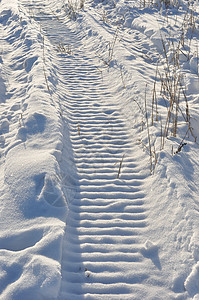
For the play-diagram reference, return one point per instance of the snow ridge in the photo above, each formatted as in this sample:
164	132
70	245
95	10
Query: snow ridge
30	135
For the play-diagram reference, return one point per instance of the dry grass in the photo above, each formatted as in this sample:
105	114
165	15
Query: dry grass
169	110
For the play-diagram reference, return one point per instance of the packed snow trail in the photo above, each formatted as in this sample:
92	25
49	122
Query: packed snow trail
107	214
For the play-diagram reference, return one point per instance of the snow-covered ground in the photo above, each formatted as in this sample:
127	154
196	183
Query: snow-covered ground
99	155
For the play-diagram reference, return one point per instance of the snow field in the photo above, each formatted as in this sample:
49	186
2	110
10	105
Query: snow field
81	216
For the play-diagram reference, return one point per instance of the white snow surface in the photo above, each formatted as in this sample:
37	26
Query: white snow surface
95	201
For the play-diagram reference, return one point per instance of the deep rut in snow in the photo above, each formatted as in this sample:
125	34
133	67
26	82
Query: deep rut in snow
107	215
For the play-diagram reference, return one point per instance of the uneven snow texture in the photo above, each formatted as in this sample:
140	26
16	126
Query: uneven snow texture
32	226
95	202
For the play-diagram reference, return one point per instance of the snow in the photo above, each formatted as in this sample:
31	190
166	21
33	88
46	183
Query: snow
191	283
99	196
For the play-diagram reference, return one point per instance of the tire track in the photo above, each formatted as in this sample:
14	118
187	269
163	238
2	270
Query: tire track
93	244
